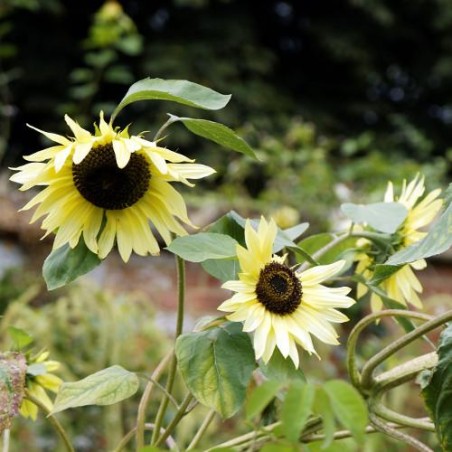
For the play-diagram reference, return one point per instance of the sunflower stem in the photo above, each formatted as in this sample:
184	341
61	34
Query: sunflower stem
53	420
144	402
6	435
164	126
202	429
173	367
125	440
352	366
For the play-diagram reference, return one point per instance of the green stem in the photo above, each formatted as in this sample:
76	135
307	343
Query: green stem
53	420
352	342
401	419
390	431
181	412
6	435
171	119
173	367
125	440
144	402
372	363
202	429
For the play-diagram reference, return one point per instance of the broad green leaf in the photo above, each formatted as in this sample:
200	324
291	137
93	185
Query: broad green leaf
108	386
180	91
296	408
216	366
343	445
12	383
65	264
383	272
203	246
218	133
348	406
437	241
438	392
20	337
260	397
279	447
382	216
222	269
281	369
322	407
229	224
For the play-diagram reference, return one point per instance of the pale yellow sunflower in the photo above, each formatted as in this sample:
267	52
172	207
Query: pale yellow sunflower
40	378
403	286
108	187
281	306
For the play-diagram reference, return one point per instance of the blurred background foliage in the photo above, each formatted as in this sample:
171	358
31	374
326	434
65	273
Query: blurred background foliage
336	96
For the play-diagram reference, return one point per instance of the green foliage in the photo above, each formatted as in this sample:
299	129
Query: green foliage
105	387
216	365
438	391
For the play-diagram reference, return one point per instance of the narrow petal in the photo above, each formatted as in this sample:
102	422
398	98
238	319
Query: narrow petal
320	273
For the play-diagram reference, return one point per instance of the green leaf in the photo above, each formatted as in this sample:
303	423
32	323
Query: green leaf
281	369
180	91
229	224
260	397
382	216
279	447
108	386
222	269
203	246
322	407
216	366
348	406
296	408
20	337
383	272
437	241
65	264
438	392
218	133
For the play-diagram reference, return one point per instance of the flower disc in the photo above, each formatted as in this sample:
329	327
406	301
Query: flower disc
101	182
278	289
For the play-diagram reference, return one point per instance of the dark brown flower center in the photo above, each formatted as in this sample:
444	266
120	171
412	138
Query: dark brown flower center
102	183
279	289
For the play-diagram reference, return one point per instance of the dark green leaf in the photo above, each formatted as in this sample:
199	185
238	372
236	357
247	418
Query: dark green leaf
218	133
281	369
348	406
438	392
65	264
222	269
203	246
296	408
216	366
260	397
180	91
382	216
105	387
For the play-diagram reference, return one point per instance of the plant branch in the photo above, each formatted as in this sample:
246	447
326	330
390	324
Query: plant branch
53	420
125	440
406	421
6	435
164	126
202	429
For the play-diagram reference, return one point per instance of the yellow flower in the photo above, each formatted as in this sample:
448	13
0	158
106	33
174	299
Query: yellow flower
281	306
39	378
108	187
403	286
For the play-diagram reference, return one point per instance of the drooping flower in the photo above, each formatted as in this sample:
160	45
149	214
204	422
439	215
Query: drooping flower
40	378
281	306
403	286
108	187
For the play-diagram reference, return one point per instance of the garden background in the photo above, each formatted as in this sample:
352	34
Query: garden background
336	97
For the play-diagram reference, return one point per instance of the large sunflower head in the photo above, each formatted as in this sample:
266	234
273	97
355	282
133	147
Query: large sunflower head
403	286
282	306
108	187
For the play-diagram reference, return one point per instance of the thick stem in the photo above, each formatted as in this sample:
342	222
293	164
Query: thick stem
6	435
352	342
202	429
179	328
372	363
125	440
53	420
144	402
401	419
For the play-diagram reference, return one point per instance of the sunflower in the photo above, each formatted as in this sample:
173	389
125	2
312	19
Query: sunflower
403	286
40	378
281	306
107	187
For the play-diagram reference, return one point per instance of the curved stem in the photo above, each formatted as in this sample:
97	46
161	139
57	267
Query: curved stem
179	328
202	429
372	363
352	342
171	119
53	420
181	412
124	441
139	430
401	419
390	431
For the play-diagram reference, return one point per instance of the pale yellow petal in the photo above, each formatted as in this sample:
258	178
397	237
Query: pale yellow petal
320	273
